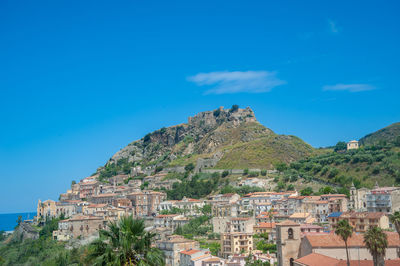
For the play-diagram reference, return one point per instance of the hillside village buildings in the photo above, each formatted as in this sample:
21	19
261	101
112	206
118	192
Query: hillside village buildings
300	226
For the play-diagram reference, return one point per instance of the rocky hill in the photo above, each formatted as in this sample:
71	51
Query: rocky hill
222	138
390	133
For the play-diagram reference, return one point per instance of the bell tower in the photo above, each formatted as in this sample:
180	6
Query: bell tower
288	242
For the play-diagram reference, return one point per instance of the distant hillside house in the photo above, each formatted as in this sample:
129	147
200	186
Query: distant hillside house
352	145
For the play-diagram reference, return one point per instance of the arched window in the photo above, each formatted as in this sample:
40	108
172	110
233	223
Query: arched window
290	233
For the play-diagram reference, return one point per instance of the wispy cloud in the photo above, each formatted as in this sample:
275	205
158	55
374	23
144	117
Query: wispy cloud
349	87
237	81
333	26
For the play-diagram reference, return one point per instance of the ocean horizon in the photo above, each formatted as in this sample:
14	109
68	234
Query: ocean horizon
9	220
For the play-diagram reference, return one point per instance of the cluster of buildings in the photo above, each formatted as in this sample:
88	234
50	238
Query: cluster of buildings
300	226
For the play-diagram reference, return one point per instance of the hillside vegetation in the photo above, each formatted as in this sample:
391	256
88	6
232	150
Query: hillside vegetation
228	138
389	134
234	139
363	167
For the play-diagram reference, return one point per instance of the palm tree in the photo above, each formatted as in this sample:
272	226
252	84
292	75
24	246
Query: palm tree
344	230
376	241
395	220
125	243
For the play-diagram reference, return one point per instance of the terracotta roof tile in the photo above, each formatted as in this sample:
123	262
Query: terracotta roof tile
315	259
394	262
288	223
190	251
265	225
356	240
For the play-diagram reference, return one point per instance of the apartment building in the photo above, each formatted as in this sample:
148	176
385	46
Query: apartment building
360	221
236	243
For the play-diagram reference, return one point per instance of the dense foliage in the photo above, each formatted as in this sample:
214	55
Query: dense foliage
125	242
198	226
213	246
200	185
42	251
243	190
112	169
363	167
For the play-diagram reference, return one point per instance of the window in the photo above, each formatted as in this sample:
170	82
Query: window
290	233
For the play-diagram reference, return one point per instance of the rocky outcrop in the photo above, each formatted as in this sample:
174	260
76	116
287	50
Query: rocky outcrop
206	137
158	143
25	231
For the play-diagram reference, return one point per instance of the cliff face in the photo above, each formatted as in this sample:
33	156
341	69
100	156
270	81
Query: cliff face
209	135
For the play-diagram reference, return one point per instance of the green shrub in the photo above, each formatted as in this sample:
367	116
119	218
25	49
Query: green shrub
225	173
263	172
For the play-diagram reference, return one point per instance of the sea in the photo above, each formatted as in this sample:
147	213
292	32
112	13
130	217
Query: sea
9	220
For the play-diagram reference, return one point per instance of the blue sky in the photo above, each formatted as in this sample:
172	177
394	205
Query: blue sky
81	79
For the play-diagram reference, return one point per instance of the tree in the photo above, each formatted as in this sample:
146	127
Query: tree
206	210
214	247
263	172
281	167
307	191
395	220
376	241
158	169
344	230
340	146
2	236
397	141
270	214
189	167
125	242
225	173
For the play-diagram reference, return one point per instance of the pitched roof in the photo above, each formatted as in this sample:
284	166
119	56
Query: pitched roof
287	223
365	215
265	225
356	240
105	195
334	214
166	215
394	262
190	251
300	215
333	195
213	259
310	226
201	257
315	259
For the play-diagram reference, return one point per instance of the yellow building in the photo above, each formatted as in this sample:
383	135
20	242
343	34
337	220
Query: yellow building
352	145
47	208
236	243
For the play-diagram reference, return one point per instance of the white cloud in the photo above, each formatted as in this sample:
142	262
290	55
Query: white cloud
237	81
349	87
332	26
